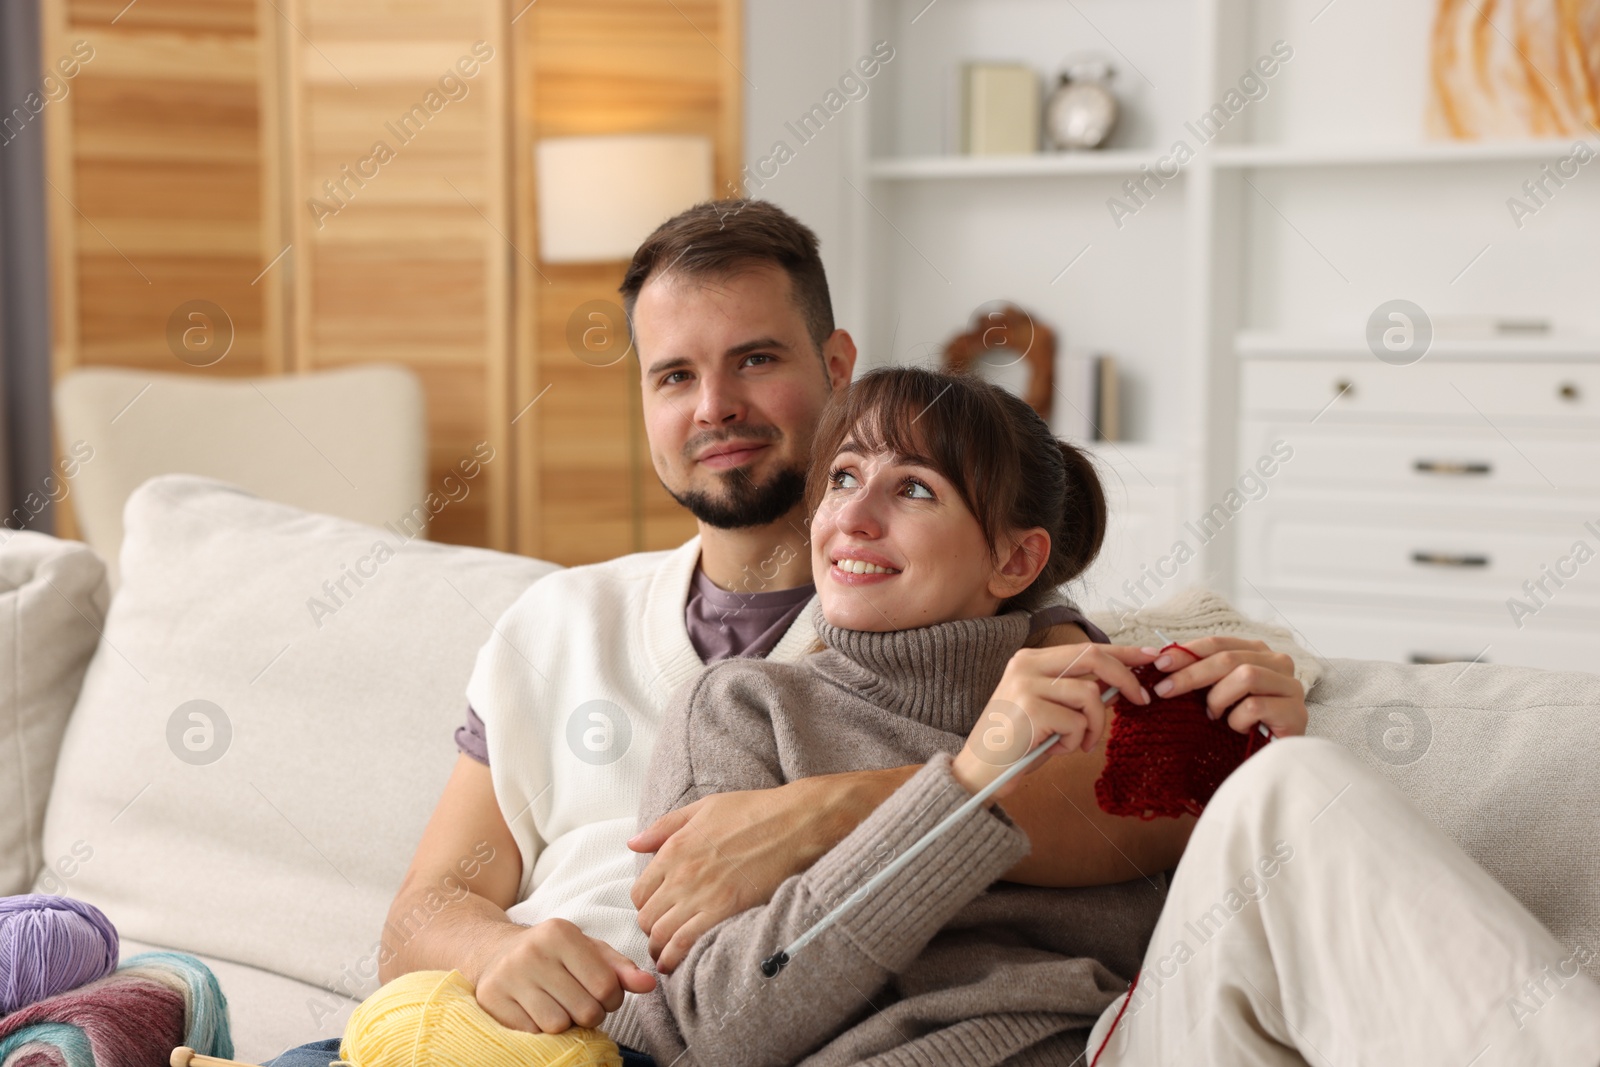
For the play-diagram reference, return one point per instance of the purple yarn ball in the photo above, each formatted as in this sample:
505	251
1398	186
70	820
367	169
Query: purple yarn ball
50	944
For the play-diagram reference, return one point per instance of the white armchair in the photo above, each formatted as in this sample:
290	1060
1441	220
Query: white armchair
349	442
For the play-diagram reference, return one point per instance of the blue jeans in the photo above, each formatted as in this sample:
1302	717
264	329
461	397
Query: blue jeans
319	1053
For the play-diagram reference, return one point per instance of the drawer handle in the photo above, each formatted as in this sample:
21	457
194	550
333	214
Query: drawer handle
1428	658
1568	391
1450	466
1448	559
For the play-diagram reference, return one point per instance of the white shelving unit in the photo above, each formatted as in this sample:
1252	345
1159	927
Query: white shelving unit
1318	201
914	168
1268	156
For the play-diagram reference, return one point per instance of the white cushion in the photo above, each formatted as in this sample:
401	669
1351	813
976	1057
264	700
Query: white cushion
53	597
285	852
1502	758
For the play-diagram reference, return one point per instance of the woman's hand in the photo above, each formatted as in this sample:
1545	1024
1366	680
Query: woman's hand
1044	691
1257	683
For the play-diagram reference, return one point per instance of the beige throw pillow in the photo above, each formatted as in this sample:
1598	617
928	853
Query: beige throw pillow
53	597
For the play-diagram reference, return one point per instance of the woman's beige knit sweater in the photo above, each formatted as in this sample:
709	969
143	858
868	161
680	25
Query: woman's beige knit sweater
943	964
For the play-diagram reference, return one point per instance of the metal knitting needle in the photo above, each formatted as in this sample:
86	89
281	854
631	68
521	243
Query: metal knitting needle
778	960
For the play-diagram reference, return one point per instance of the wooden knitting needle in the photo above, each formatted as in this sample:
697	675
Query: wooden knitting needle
184	1056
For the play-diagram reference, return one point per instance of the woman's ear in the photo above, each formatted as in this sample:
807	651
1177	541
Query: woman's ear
1021	560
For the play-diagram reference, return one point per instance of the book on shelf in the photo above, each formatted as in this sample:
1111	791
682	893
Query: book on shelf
1000	109
1087	406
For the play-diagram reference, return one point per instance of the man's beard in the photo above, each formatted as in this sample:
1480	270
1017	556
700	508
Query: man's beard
744	503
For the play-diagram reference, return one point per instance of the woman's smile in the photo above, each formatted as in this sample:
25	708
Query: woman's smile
859	566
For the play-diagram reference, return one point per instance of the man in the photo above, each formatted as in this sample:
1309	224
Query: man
738	354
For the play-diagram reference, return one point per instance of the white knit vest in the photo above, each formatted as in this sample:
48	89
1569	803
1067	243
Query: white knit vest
571	688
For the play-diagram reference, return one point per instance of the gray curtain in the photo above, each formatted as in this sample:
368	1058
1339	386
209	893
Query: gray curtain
25	452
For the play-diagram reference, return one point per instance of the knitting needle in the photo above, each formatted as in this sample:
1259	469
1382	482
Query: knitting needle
1261	727
184	1056
778	960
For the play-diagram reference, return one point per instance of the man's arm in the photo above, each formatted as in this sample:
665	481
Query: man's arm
466	828
1077	844
730	851
545	977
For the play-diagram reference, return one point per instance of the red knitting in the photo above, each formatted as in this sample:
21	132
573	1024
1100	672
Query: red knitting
1167	758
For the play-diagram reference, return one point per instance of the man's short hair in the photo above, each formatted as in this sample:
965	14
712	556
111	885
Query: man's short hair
722	237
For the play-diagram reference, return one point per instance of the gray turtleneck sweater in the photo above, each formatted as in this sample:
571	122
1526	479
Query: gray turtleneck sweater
944	964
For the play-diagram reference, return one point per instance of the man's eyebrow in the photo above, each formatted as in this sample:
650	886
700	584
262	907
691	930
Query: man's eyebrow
732	353
667	364
752	346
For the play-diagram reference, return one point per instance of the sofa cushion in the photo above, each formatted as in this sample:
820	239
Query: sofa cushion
53	597
267	725
1502	758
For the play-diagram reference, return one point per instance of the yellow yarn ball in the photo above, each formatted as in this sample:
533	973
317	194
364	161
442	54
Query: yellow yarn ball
432	1017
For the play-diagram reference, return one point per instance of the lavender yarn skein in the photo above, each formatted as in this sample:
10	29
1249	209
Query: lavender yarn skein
50	944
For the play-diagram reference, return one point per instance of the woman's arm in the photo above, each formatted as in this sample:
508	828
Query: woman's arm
730	1014
730	851
1057	805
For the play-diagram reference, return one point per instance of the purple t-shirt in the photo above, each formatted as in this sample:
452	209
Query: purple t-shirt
1060	614
721	624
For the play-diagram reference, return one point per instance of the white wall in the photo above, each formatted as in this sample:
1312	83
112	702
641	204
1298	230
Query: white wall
795	53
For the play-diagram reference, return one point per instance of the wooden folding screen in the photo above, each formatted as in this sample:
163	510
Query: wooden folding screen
352	180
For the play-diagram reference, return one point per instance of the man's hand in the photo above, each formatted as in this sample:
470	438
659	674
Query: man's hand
552	976
539	978
1247	676
729	852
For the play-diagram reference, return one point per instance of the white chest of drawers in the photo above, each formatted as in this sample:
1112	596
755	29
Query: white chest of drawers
1445	510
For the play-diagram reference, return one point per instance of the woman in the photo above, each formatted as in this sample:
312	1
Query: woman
943	512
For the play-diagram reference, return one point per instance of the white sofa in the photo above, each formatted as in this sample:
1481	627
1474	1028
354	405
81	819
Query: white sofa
230	768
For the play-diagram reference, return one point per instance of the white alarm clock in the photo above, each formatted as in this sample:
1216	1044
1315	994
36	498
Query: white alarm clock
1081	111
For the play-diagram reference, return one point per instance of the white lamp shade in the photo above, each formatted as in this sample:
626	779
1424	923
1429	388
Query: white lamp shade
599	197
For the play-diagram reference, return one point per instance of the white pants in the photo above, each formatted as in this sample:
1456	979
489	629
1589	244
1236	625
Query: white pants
1319	918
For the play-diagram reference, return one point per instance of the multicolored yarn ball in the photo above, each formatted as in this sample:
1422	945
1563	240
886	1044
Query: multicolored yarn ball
50	944
1168	758
431	1017
133	1017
